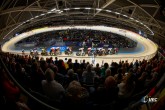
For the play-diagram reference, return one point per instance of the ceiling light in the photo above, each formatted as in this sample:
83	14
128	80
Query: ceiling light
49	12
125	15
42	14
98	9
108	10
36	16
66	9
77	8
137	21
60	12
87	8
117	13
141	23
53	9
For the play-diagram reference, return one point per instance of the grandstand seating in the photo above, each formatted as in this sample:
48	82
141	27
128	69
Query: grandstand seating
146	72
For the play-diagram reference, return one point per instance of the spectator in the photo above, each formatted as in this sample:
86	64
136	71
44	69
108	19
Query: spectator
106	66
106	93
61	67
60	78
76	96
126	88
37	75
76	66
11	91
88	75
97	70
107	72
70	76
51	88
119	77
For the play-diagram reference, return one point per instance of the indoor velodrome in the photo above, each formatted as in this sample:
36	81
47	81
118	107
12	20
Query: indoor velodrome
82	54
146	49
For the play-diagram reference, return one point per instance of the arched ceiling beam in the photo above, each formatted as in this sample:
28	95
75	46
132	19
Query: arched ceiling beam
100	14
149	5
144	11
151	18
104	6
22	8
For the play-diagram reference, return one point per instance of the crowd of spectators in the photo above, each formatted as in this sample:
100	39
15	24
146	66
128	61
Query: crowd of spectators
80	85
77	37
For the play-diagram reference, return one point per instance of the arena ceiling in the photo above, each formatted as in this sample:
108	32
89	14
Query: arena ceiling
149	12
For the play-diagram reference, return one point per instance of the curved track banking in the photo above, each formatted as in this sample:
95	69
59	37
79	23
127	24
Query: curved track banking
149	51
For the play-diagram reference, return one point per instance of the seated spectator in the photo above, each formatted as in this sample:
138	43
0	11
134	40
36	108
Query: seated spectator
70	77
150	79
107	72
52	88
106	93
88	75
76	92
11	91
60	78
140	82
36	75
76	95
43	65
126	88
119	77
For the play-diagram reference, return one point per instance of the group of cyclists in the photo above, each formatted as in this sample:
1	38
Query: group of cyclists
97	51
81	52
89	51
53	51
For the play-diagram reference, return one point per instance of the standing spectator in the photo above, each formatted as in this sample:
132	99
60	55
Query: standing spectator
76	65
61	67
56	61
97	70
104	69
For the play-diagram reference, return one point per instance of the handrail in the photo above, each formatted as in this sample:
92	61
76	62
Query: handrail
31	96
